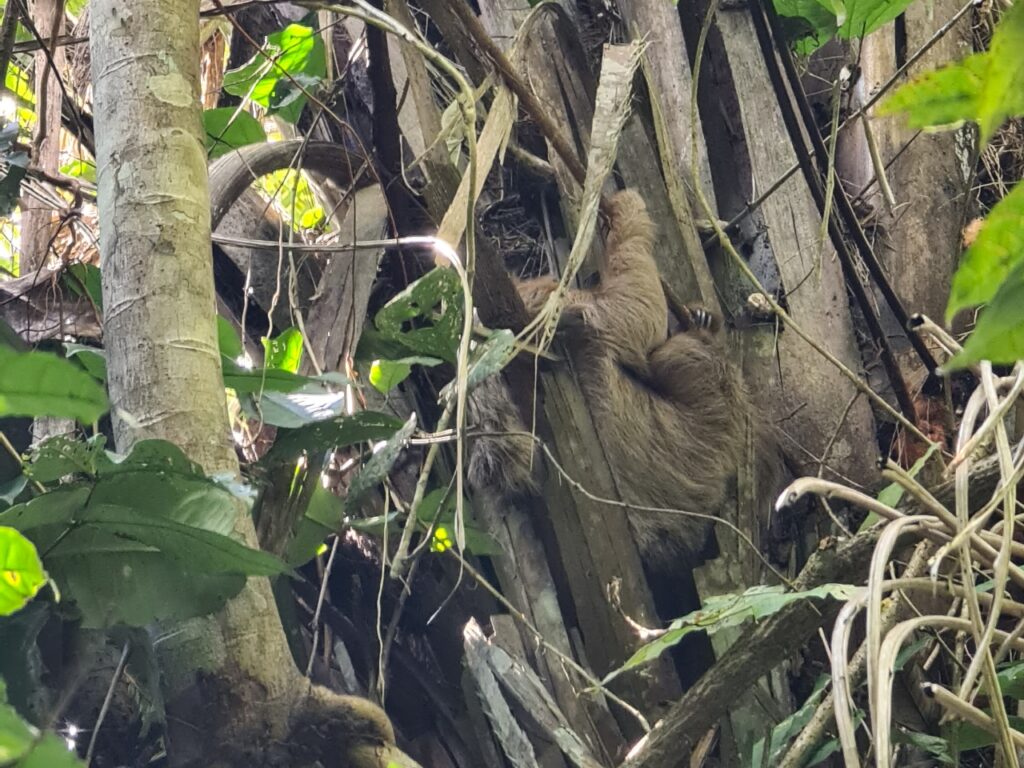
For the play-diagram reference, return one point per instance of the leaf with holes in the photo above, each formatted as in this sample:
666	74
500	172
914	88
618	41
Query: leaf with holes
284	351
410	318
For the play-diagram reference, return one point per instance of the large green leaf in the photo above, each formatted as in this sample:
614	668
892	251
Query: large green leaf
995	253
229	128
941	97
1002	93
385	375
147	537
862	17
57	507
248	381
292	410
86	280
200	549
137	588
93	360
21	571
985	87
296	53
433	336
724	611
822	20
338	433
227	339
42	384
999	334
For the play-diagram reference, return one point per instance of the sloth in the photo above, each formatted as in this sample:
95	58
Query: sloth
674	416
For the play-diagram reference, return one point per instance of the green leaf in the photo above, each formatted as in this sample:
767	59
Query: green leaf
202	550
19	83
379	465
246	381
487	359
996	251
999	334
971	737
227	339
93	360
1002	93
893	493
1011	680
943	97
431	336
284	352
865	16
59	456
57	507
724	611
21	663
296	53
229	128
783	734
42	384
21	571
385	375
985	87
22	746
936	746
80	169
338	433
137	588
86	280
812	23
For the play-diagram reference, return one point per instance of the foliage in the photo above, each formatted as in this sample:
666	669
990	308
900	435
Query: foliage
782	735
818	21
409	319
228	128
723	611
43	384
985	88
135	538
23	746
21	571
291	63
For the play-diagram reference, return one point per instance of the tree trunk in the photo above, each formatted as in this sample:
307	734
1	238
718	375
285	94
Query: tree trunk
232	689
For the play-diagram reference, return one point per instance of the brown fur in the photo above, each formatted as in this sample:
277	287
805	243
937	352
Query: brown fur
672	411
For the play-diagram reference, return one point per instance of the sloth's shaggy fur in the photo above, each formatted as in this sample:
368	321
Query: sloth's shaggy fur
672	411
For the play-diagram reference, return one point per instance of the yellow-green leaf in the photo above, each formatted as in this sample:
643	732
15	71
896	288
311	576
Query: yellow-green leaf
21	571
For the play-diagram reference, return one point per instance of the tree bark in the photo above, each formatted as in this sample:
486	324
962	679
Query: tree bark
232	690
